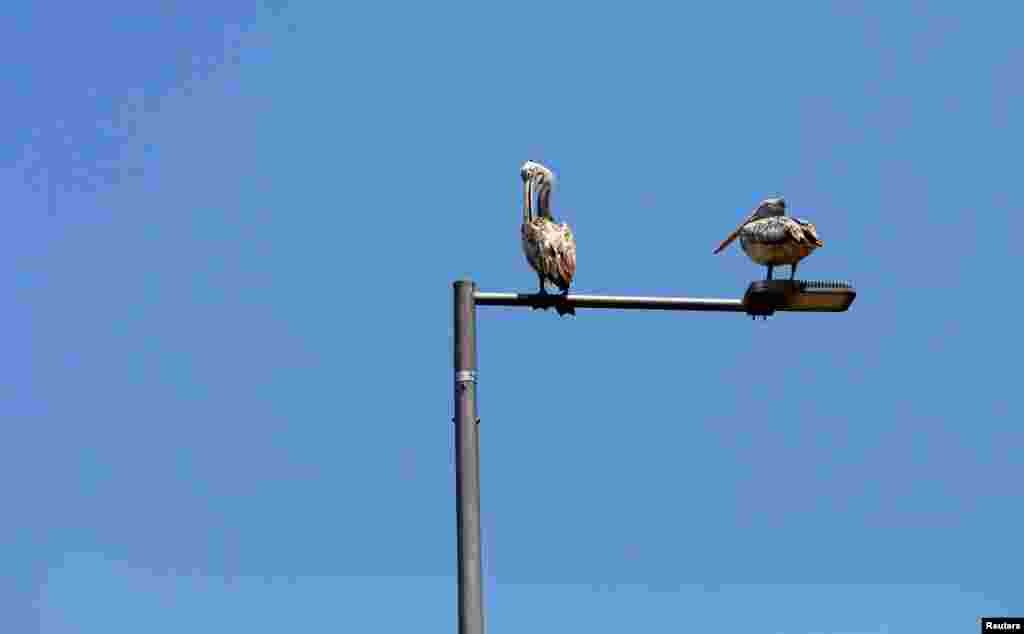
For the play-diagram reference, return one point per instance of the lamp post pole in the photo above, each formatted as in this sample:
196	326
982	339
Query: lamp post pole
467	462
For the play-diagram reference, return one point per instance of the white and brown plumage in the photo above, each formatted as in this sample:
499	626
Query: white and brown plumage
550	247
771	238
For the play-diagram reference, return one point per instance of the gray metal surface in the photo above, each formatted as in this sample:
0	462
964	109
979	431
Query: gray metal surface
467	463
611	301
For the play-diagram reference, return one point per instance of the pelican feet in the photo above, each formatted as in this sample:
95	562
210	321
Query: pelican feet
541	296
540	300
543	300
562	305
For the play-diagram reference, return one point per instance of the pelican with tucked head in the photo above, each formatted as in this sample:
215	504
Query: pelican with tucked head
771	238
550	247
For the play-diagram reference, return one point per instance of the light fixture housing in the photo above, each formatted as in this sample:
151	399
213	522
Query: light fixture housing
765	297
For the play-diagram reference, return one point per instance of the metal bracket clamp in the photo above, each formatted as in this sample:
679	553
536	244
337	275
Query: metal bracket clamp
465	376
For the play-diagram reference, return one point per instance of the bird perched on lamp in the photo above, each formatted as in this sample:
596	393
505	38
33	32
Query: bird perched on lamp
549	246
771	238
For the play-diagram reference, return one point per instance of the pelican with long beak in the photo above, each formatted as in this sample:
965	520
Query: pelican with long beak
550	247
771	238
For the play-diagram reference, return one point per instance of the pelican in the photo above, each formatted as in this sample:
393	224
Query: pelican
771	238
550	247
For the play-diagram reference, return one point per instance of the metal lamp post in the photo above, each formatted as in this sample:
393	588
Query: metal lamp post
761	300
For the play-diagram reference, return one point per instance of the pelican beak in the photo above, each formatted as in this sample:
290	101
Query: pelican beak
732	236
527	199
544	199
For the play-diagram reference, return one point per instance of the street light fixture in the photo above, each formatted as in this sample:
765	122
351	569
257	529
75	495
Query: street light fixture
762	299
765	297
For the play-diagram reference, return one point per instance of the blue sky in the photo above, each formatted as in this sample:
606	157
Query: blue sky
231	234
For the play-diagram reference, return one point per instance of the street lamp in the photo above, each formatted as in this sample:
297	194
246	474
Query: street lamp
767	296
762	299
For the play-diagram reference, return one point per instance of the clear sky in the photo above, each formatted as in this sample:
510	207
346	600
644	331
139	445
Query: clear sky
227	253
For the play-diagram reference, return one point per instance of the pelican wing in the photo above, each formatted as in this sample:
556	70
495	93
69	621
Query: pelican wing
781	230
565	258
767	231
810	232
551	250
558	253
